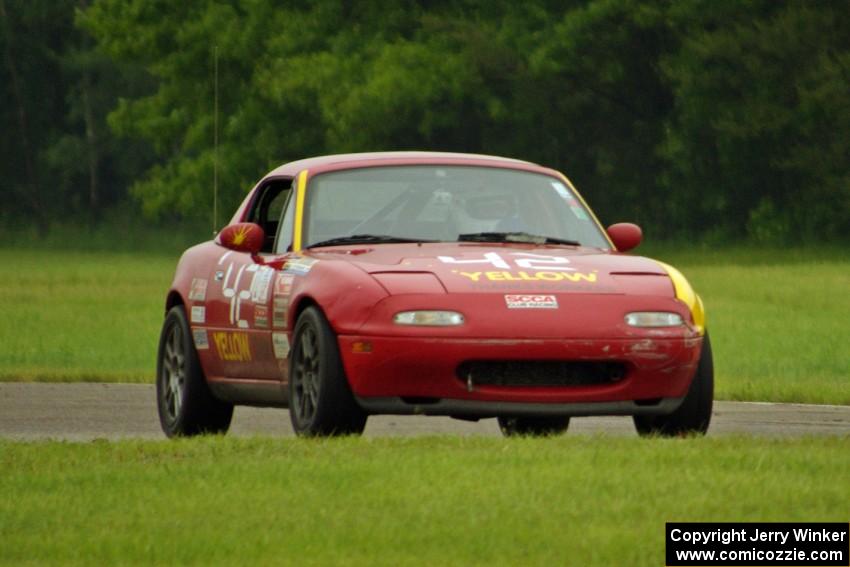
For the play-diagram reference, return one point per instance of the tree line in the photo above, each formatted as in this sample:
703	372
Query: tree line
717	119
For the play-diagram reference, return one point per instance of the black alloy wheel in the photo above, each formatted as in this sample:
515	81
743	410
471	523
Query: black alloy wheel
693	416
186	405
320	399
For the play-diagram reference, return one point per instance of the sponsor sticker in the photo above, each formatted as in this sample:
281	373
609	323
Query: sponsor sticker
281	345
562	190
565	194
200	338
198	291
530	301
199	314
234	347
280	306
261	316
260	284
299	266
579	213
283	284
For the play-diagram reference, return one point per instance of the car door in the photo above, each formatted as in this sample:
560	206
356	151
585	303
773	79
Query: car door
240	316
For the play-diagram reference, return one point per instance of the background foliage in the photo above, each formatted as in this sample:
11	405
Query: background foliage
716	119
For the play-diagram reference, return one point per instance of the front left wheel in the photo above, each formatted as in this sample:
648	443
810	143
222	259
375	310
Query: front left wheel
694	415
186	405
320	400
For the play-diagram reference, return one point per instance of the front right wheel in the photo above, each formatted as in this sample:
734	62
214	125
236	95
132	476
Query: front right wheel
694	415
320	399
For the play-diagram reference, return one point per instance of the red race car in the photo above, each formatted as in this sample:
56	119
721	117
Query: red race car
429	283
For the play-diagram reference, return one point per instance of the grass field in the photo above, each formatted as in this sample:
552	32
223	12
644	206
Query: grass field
777	321
71	316
431	501
775	317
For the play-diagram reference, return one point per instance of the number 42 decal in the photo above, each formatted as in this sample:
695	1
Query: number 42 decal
525	260
256	291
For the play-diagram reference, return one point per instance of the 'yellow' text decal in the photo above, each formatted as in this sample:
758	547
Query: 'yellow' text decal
233	347
530	277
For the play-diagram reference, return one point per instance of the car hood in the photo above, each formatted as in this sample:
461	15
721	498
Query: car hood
503	268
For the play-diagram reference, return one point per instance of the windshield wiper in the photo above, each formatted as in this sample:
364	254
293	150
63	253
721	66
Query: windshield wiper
522	237
366	239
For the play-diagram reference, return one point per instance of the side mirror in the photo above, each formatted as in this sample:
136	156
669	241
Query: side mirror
625	235
242	237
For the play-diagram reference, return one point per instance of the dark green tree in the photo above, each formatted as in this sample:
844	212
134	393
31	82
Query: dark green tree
759	141
692	117
58	158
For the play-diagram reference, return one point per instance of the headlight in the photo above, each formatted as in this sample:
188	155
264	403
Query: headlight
654	319
429	318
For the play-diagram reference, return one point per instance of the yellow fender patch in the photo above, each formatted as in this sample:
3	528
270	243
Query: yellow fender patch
686	294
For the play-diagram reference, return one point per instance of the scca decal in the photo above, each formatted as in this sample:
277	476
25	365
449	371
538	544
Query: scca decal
531	301
532	277
233	347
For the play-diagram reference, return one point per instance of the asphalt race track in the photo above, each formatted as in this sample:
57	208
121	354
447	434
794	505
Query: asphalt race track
83	412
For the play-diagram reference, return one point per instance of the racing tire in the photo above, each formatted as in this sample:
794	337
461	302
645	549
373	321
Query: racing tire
533	426
186	405
320	400
694	415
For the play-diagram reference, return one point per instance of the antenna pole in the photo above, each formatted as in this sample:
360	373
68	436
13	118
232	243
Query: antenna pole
215	142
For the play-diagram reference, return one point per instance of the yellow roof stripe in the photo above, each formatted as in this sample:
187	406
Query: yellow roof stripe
300	194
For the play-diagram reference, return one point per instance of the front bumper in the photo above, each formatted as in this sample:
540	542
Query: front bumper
419	375
480	409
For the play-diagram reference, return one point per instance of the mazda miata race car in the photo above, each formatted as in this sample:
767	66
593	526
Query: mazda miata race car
429	283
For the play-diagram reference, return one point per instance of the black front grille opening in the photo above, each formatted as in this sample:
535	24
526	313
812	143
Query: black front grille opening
540	373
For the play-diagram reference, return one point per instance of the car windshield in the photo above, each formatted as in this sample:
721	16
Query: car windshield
445	203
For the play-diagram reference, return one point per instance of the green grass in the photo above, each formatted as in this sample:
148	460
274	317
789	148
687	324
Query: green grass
72	316
777	317
120	229
778	320
423	501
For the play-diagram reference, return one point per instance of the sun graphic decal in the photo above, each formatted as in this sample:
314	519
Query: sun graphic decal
239	236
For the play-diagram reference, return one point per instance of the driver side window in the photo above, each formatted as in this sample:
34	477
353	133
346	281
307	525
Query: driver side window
284	237
267	209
